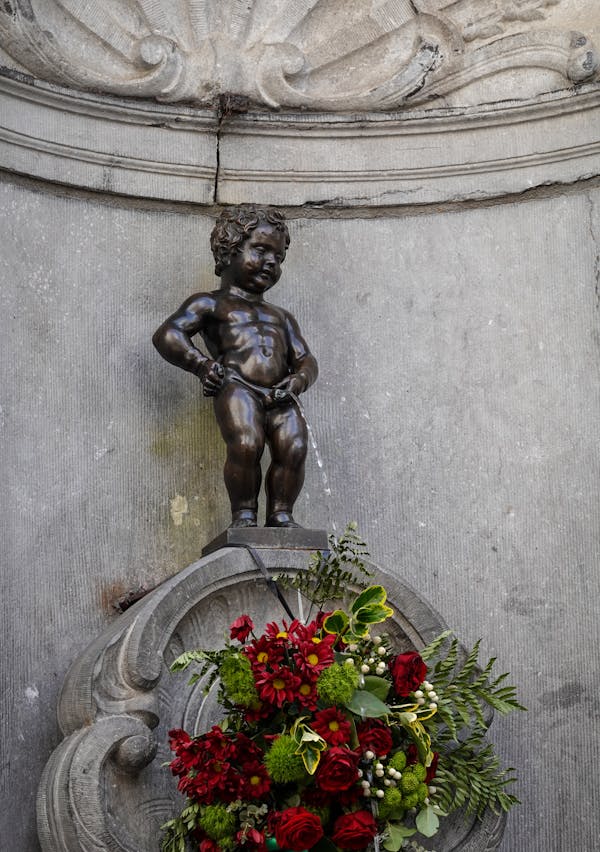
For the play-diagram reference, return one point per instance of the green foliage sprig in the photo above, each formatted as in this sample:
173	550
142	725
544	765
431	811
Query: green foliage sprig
470	774
332	574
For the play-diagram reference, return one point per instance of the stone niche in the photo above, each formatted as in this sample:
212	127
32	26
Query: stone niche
105	786
438	163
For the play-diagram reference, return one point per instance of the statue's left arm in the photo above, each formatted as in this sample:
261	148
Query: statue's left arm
303	364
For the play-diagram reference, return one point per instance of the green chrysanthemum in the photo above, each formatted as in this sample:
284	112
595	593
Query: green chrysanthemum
420	771
411	801
337	683
282	764
422	792
397	761
391	806
238	682
218	822
409	781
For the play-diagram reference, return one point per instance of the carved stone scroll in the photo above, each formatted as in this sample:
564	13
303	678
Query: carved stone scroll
326	55
104	787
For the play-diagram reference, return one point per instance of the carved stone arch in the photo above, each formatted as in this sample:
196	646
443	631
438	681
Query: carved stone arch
104	787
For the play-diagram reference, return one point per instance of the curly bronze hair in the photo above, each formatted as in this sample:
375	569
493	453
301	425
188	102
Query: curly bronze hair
235	224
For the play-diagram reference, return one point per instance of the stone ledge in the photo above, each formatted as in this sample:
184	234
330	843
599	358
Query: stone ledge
152	151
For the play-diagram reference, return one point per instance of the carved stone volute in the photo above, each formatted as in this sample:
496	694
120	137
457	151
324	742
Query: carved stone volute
289	53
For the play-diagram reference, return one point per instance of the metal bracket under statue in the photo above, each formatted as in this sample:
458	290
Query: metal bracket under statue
104	787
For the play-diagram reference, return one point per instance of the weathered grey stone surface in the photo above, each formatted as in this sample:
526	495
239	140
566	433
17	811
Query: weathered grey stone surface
118	702
326	161
457	413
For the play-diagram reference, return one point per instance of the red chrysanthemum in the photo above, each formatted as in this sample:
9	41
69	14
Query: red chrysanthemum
257	780
306	694
273	631
264	652
333	726
277	687
314	655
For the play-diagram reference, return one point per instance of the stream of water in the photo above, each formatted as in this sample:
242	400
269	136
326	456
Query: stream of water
320	463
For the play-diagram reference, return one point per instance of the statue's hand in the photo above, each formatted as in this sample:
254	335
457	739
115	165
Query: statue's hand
211	374
296	384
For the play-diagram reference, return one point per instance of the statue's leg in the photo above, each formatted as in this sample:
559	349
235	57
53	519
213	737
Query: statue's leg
288	439
241	418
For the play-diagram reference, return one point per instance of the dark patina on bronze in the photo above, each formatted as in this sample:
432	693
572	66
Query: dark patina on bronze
258	362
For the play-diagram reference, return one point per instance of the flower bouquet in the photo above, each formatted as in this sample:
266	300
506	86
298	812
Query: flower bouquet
330	739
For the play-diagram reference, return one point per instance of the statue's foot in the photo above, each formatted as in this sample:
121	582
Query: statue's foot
243	518
281	519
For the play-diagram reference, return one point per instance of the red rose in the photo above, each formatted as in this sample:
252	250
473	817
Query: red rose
374	736
355	830
408	672
241	628
338	769
297	829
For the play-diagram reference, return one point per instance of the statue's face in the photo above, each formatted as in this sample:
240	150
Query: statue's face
256	266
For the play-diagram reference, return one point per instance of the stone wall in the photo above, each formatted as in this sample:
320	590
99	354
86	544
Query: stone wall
439	163
457	413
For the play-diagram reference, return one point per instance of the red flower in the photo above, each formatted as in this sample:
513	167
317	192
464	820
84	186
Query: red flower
297	829
251	838
273	631
432	769
278	686
338	769
264	652
208	845
408	672
306	694
333	726
257	780
315	655
374	736
355	830
241	628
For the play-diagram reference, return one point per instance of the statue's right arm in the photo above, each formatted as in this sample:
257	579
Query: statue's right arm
174	337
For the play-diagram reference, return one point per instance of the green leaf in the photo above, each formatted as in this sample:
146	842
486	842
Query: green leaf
395	836
372	614
336	622
377	686
427	821
311	755
371	595
364	703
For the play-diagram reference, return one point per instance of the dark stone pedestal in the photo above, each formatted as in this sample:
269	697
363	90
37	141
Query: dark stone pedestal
281	538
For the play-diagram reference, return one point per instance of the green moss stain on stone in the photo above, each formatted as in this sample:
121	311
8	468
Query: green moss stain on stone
193	434
196	507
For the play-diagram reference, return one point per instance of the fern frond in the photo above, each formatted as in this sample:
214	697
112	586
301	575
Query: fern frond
332	574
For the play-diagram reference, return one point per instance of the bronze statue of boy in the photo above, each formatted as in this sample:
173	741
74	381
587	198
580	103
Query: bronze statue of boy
257	360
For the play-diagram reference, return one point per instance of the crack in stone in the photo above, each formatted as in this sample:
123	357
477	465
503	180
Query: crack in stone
218	158
594	236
